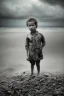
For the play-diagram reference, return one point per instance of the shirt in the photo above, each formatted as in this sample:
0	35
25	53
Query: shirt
35	43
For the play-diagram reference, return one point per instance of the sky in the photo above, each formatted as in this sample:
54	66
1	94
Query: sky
43	10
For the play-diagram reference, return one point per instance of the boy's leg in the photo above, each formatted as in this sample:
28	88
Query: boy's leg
38	66
32	66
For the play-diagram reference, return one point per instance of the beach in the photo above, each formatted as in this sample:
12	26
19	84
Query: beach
13	54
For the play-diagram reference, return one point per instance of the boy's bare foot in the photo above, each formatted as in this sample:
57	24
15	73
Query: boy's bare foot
38	74
32	74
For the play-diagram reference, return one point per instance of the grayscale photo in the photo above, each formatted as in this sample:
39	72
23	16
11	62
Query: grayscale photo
31	48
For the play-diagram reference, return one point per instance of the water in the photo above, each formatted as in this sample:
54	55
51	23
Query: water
13	54
20	23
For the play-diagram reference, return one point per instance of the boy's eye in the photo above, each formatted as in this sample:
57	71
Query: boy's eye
31	25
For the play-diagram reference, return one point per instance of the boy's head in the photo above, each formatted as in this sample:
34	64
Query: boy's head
32	24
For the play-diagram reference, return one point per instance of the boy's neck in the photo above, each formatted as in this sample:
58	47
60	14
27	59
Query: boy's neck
33	32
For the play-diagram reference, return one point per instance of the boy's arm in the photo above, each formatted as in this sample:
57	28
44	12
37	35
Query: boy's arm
27	46
43	41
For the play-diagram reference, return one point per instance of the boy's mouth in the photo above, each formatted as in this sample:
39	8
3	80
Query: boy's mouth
33	29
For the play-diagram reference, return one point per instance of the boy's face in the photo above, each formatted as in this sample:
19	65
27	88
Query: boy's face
32	26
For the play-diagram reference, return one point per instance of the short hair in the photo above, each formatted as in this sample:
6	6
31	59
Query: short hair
32	19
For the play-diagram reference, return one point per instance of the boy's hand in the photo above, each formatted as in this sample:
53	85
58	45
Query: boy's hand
27	57
27	51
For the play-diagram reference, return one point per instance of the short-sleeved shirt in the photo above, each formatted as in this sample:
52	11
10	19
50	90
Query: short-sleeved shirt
35	43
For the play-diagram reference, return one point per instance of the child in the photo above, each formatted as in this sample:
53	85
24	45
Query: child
35	42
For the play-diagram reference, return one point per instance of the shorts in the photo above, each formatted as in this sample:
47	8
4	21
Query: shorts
35	62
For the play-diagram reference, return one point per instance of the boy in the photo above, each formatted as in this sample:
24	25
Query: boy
35	42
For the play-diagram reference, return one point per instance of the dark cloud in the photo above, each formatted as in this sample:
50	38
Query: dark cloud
22	9
14	9
55	2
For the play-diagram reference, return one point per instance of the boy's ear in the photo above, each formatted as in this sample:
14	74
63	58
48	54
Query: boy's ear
26	23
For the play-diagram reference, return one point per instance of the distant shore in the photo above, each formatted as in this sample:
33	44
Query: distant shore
24	29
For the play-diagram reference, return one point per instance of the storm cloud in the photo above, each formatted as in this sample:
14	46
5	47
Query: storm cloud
23	9
55	2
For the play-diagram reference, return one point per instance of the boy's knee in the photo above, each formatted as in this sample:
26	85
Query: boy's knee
38	62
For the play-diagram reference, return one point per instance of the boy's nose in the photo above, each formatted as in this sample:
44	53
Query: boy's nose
31	26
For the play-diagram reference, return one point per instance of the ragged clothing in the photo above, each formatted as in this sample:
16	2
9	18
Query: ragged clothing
35	43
